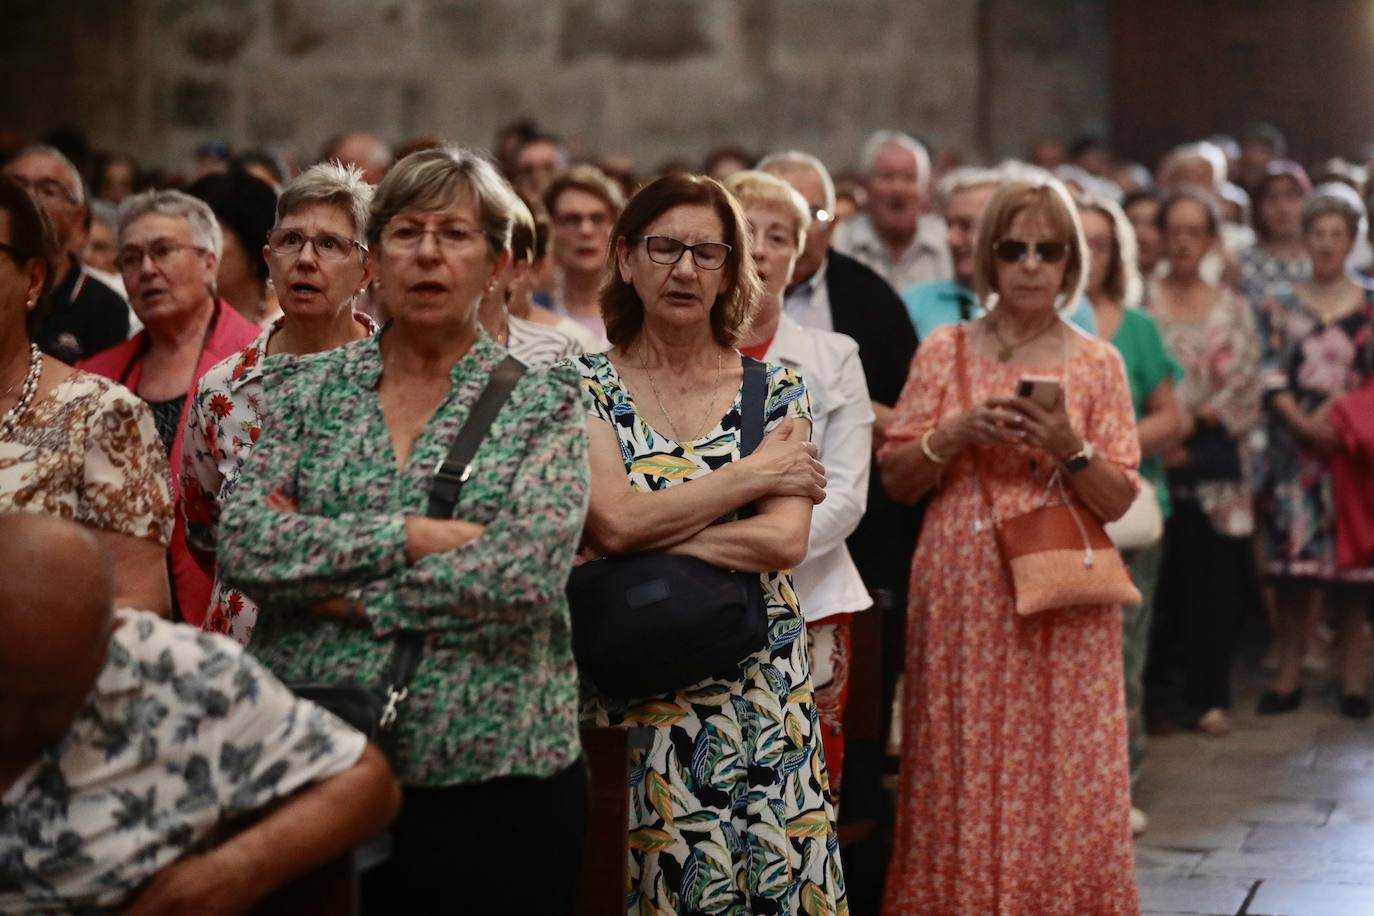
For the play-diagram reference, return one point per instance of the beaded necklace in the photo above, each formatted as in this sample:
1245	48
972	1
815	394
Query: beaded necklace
26	393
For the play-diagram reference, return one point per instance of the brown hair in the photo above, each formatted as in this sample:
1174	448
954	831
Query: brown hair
621	307
31	237
1049	196
588	179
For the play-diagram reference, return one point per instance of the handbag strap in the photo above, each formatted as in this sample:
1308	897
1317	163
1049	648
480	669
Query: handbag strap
450	475
965	402
751	405
453	471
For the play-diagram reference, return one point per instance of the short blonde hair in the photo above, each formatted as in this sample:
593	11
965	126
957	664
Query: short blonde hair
431	179
734	307
752	187
1051	199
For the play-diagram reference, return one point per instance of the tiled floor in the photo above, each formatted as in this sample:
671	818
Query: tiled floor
1277	819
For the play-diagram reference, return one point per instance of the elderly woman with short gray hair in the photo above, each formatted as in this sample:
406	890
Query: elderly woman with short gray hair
329	531
316	255
169	250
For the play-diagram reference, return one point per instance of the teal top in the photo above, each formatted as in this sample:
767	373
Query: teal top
1148	364
934	305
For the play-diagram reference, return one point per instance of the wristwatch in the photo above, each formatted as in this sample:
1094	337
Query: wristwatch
1080	459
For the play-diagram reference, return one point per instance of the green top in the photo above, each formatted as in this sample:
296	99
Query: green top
1148	363
496	691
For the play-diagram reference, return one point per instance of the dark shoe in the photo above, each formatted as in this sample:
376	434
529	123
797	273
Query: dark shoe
1355	706
1272	704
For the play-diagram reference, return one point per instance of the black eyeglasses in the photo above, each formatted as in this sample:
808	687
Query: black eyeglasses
663	249
1011	251
328	246
10	250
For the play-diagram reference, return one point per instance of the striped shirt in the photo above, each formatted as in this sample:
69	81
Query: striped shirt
540	346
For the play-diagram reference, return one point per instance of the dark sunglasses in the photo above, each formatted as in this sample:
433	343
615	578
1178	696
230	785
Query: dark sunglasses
1013	250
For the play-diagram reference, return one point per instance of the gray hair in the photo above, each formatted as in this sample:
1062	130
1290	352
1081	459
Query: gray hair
882	138
1204	150
205	230
793	160
102	211
1334	197
967	177
430	179
76	186
329	183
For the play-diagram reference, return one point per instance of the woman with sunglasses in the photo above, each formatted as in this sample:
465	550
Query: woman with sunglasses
169	250
733	786
1208	568
1014	791
317	257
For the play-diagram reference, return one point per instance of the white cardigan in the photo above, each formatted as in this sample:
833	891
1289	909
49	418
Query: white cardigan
828	582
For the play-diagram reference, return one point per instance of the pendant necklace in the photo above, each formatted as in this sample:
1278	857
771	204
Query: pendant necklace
672	427
1008	350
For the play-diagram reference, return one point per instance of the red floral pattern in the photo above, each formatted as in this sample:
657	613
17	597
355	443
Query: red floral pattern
1014	791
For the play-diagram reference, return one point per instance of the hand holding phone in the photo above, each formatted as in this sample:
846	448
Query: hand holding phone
1042	389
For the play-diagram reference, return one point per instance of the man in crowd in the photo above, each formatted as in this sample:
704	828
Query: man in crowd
540	158
358	147
146	763
837	293
894	236
80	314
930	305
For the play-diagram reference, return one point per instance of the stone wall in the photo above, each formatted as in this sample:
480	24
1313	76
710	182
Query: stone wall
655	79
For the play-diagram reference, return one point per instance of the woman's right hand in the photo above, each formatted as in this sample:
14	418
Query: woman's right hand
786	464
426	536
984	424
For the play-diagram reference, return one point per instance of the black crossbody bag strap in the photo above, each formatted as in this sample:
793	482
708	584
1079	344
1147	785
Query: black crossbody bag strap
444	491
751	407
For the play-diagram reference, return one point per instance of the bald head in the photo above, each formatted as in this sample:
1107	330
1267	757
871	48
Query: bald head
56	615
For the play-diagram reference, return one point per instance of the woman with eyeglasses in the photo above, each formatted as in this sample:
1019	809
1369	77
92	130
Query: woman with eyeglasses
731	792
1208	566
73	444
317	258
328	531
582	204
1014	795
169	250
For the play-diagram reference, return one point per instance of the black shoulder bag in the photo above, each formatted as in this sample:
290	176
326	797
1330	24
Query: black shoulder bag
374	709
649	623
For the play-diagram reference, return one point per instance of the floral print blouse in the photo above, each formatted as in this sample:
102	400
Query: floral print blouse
223	422
496	691
182	732
88	452
1220	356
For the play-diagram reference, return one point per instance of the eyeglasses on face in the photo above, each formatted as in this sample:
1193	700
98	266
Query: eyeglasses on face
130	258
14	253
407	236
1010	251
47	188
664	249
822	216
575	220
328	246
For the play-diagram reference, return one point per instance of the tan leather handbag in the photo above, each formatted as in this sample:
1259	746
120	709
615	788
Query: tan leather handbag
1059	555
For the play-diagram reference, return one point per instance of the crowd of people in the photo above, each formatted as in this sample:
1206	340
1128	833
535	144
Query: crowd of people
297	464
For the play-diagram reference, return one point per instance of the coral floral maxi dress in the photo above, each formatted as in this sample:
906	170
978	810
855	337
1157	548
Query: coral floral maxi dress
1014	792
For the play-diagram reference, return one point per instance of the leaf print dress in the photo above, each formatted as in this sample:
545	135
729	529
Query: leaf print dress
729	810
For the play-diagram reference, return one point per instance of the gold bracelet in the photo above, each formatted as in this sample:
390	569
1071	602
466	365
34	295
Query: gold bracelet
929	452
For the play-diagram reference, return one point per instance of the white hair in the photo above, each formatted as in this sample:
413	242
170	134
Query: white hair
883	138
790	160
967	177
76	186
1205	151
205	230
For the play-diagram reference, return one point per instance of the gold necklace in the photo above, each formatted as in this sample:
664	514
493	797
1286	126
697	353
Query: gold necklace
672	427
1005	354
